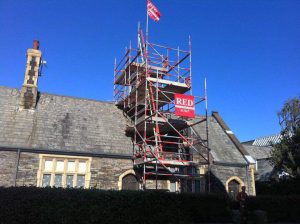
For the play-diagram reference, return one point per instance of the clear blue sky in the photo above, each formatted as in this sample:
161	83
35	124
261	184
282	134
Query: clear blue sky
248	50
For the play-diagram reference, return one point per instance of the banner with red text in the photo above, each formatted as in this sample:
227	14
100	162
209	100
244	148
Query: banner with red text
184	105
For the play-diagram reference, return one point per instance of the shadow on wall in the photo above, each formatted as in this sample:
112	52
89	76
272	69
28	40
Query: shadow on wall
216	186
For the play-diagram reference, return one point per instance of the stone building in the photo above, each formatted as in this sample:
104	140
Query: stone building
54	140
260	149
262	155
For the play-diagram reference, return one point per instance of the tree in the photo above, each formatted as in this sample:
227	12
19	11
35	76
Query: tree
285	155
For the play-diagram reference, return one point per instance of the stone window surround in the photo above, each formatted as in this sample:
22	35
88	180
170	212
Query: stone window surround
234	178
54	158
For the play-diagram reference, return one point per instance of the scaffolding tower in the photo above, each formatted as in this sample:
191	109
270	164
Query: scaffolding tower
166	146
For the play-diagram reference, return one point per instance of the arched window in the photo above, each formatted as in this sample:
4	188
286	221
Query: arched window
130	182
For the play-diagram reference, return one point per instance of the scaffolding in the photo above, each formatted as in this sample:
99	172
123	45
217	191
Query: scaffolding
166	146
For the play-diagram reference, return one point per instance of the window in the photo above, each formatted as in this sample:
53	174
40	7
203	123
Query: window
58	180
70	179
80	180
71	166
46	180
59	165
48	165
196	184
64	171
173	186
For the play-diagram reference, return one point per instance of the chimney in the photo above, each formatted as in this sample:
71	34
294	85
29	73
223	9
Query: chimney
29	91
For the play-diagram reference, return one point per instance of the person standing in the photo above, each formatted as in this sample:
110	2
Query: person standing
241	198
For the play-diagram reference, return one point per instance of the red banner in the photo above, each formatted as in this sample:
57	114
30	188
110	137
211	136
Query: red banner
184	105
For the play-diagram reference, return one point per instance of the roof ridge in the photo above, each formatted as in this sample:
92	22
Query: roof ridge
59	95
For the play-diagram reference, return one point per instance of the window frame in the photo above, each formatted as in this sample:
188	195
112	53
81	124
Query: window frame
64	172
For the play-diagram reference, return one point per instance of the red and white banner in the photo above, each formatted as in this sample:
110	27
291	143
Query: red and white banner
153	11
184	105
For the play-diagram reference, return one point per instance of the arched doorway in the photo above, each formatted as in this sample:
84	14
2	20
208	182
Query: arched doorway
233	188
129	182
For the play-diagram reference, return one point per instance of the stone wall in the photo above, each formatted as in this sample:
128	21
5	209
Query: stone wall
27	169
105	172
7	168
222	173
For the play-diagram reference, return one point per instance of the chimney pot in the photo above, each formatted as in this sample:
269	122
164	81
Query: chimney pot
36	44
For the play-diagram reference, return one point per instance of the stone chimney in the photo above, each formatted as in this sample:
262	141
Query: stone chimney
29	91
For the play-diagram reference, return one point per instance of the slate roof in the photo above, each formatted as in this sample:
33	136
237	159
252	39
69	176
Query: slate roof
258	152
267	140
62	123
262	155
222	148
75	124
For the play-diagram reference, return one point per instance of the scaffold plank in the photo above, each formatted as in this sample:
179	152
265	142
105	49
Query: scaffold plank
141	161
131	70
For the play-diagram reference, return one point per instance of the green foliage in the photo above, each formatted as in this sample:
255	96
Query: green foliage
289	117
47	205
286	154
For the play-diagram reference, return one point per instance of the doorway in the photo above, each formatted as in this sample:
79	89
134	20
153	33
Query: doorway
233	188
130	182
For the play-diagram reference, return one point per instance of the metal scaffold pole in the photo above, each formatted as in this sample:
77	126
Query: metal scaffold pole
147	81
190	50
115	65
147	28
207	140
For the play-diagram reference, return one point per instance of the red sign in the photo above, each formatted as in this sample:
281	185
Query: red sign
184	105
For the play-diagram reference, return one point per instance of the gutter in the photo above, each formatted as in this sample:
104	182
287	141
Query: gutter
17	166
224	163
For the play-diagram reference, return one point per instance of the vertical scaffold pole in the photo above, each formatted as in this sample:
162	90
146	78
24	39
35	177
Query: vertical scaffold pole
156	137
178	67
147	28
146	91
207	142
125	78
145	129
190	51
114	93
136	92
129	73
